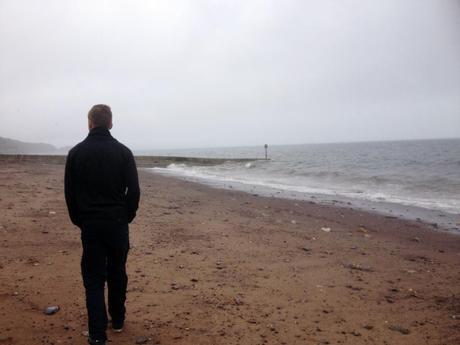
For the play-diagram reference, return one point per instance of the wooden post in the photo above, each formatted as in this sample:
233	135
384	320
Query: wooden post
266	152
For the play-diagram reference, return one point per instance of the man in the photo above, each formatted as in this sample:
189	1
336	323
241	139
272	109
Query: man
102	195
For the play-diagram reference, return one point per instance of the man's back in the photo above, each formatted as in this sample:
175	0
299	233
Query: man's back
101	180
102	195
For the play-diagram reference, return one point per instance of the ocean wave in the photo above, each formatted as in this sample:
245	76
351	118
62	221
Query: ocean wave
228	175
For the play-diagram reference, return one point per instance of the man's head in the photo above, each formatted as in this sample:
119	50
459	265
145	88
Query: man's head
100	115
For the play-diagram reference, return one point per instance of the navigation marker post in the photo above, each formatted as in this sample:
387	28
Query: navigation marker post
266	151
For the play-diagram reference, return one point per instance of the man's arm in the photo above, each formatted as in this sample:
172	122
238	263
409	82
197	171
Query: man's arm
132	184
69	191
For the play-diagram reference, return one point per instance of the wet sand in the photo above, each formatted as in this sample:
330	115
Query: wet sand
211	266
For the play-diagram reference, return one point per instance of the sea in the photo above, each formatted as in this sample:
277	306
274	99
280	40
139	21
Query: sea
417	179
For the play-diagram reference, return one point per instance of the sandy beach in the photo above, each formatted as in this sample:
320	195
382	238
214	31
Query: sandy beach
211	266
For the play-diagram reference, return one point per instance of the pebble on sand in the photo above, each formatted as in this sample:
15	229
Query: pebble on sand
51	310
400	329
142	339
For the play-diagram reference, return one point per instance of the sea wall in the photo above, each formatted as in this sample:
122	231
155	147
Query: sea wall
141	161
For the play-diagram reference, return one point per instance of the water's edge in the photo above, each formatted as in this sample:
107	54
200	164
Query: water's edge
158	164
438	220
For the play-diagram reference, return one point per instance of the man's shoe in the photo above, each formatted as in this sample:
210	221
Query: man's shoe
117	327
95	341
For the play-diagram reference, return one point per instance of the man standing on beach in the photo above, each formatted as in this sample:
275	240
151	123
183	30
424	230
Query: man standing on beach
102	195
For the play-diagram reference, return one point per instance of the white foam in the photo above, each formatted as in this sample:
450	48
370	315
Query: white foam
222	176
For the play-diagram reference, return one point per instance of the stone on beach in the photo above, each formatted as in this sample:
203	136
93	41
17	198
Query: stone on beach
358	267
142	339
400	329
51	310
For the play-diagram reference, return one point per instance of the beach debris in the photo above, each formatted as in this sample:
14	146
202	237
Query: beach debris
413	293
220	265
293	222
32	261
85	333
194	280
51	310
51	213
238	301
368	327
400	329
389	299
358	267
363	229
326	229
456	317
176	286
142	339
272	328
306	249
416	239
354	288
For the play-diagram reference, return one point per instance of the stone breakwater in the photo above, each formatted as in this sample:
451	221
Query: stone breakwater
141	161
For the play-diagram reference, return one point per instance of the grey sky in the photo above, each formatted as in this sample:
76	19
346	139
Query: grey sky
224	73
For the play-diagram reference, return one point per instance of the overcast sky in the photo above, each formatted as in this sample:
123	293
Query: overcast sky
181	74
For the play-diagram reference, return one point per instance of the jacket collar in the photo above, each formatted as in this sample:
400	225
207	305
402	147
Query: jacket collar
99	131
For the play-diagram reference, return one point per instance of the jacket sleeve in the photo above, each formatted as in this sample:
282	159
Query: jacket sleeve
132	195
69	191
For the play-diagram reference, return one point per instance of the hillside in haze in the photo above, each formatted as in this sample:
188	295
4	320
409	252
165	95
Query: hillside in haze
11	146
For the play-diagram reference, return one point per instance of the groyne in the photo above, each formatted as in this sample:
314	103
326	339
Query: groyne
141	161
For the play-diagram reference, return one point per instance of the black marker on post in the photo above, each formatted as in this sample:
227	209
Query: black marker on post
266	154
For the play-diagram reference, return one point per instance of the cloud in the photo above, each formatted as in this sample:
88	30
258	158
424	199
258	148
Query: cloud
215	73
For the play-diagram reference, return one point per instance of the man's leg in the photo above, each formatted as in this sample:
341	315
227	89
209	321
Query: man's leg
117	280
93	267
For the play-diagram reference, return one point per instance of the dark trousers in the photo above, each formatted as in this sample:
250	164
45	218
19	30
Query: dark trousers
105	250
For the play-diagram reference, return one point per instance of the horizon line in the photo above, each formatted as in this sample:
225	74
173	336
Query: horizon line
298	144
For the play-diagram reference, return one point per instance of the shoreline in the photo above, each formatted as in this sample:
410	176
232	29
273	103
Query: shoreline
437	219
211	266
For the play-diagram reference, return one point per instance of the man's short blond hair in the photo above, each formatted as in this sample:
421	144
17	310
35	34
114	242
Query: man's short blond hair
100	115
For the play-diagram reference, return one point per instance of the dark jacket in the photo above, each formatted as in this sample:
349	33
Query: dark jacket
101	183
